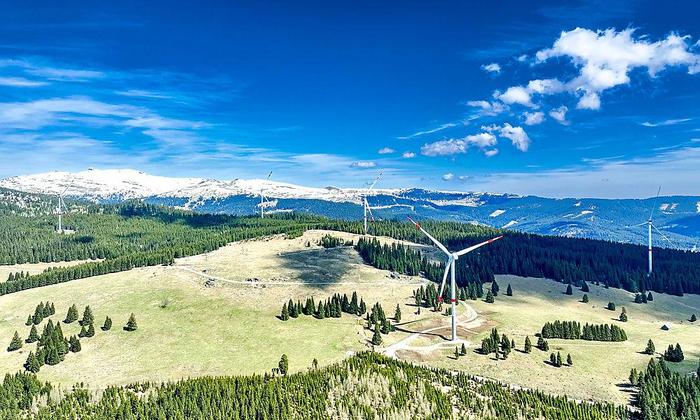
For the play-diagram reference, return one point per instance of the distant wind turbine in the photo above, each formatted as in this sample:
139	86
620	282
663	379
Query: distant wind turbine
650	224
365	204
450	268
264	202
61	207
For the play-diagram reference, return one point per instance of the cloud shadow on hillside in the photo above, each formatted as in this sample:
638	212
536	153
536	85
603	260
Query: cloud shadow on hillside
320	267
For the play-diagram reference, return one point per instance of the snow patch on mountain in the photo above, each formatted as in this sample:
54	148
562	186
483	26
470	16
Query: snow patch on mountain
509	224
497	213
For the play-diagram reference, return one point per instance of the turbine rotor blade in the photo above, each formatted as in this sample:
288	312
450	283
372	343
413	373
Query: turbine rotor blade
654	206
375	182
435	241
444	278
472	248
369	210
662	235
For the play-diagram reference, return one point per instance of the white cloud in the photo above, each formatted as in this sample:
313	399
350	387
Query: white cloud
448	176
515	95
559	114
492	68
52	72
605	58
533	118
490	153
516	135
488	108
458	146
545	86
386	151
522	58
408	155
363	164
444	148
665	122
20	82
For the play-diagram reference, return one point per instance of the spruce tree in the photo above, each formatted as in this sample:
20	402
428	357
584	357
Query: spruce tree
494	288
650	297
569	360
397	314
284	316
623	315
88	318
553	359
283	364
611	306
456	352
82	332
585	288
489	297
33	335
32	364
558	359
90	331
509	290
52	309
528	345
38	314
693	318
52	356
463	350
30	321
107	325
74	344
585	299
16	343
376	337
72	315
650	349
131	324
569	290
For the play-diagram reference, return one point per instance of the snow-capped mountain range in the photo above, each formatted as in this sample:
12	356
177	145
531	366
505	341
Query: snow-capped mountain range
677	216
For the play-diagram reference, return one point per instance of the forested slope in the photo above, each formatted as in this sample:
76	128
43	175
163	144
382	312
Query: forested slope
365	386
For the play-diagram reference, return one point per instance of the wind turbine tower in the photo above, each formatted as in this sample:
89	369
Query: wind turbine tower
365	204
650	225
60	208
264	202
452	257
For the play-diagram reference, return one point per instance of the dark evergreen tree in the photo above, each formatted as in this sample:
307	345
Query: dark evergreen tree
650	297
90	331
585	288
283	365
397	314
569	290
509	290
376	337
88	318
33	335
693	318
74	344
30	321
558	359
131	323
284	316
463	350
32	364
494	288
650	349
528	345
16	343
611	306
107	324
72	315
569	360
584	299
489	297
674	354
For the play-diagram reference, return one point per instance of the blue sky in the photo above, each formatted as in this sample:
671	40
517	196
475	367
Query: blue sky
584	100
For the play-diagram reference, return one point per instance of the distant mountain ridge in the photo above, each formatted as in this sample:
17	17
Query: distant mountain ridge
608	219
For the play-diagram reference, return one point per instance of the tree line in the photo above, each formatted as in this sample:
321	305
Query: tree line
571	330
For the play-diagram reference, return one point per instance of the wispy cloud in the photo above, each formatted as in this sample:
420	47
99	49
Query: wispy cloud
431	131
665	122
363	164
386	151
20	82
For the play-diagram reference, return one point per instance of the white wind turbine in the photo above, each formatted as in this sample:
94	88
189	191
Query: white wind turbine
60	208
365	204
264	202
650	224
452	257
